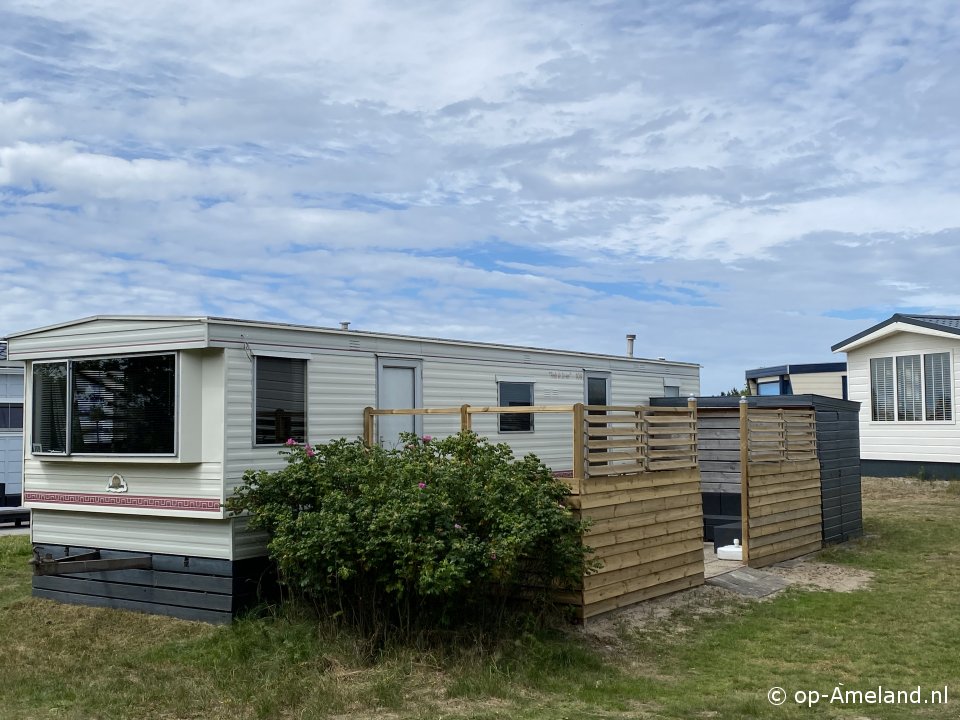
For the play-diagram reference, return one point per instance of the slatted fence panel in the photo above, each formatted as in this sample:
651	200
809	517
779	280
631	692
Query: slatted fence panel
784	510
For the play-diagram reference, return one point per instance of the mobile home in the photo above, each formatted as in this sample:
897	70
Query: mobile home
139	428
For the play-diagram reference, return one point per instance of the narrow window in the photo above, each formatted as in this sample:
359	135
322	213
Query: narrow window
281	400
938	386
49	434
881	389
772	387
516	394
909	395
124	405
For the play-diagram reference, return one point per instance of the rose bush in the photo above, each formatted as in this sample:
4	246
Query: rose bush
432	533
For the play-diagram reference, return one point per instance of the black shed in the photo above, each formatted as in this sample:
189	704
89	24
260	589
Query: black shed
838	450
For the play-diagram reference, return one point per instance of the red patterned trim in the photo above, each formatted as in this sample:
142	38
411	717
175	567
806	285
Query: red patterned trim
563	473
125	501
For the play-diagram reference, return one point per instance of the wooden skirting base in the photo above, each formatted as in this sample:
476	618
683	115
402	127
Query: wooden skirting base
191	588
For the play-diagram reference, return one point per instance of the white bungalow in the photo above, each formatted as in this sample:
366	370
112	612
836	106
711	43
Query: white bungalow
904	373
139	428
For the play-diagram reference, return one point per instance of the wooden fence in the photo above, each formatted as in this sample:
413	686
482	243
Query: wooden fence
635	477
780	484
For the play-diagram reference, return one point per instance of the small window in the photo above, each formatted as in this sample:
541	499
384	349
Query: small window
769	388
671	391
516	394
281	400
11	416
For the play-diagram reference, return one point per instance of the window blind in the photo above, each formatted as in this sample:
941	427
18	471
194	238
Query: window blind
881	389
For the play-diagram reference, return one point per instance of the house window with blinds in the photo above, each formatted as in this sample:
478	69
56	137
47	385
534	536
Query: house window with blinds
938	386
105	406
909	395
881	389
912	388
281	400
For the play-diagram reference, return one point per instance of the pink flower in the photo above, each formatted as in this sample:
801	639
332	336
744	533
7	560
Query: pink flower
310	452
427	438
291	442
421	485
458	526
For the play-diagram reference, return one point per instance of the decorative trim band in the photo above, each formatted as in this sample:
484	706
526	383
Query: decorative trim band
125	501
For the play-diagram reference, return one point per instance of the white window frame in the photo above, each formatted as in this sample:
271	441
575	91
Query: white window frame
69	410
923	388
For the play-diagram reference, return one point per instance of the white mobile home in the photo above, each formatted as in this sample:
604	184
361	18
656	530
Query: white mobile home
904	372
139	428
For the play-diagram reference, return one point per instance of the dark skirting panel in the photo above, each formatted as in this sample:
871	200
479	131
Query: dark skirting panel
189	588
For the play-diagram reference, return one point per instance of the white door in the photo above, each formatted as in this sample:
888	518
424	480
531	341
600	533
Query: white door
398	386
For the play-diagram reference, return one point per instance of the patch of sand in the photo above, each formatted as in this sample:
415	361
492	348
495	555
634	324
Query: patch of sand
822	576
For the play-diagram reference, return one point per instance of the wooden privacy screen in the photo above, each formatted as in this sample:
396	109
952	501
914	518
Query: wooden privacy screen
781	484
641	491
635	476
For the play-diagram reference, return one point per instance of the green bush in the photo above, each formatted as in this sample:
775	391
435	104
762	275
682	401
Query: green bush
432	534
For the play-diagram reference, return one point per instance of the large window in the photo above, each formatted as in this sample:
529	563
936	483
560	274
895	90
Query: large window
516	394
281	400
921	390
115	406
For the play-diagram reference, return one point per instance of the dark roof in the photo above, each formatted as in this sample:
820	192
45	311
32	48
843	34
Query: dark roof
818	402
945	323
801	369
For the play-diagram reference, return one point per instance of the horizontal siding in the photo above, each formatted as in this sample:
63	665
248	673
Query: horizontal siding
914	442
338	388
169	535
247	543
109	337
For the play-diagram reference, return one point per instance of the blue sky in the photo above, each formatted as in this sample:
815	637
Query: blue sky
740	184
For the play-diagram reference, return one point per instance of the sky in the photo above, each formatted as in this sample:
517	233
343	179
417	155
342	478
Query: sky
738	183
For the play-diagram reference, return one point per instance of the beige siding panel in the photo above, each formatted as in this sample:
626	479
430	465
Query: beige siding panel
174	536
102	337
340	387
450	383
829	384
916	442
248	543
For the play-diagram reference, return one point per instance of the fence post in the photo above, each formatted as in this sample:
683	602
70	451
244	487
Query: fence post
745	479
466	422
579	460
368	426
692	406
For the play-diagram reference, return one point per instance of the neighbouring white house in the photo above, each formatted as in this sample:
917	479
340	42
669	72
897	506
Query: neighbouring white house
828	379
904	372
139	428
11	429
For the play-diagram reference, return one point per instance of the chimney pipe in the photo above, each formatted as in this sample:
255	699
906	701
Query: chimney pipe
630	339
345	325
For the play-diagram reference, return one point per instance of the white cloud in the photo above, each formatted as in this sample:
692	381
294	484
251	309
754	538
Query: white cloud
726	179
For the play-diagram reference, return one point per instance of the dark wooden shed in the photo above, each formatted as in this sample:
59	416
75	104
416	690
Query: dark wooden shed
838	453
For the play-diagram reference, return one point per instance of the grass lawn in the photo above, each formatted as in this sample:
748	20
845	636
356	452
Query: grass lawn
902	631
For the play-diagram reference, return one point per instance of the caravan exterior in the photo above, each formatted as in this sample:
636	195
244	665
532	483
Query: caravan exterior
139	428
